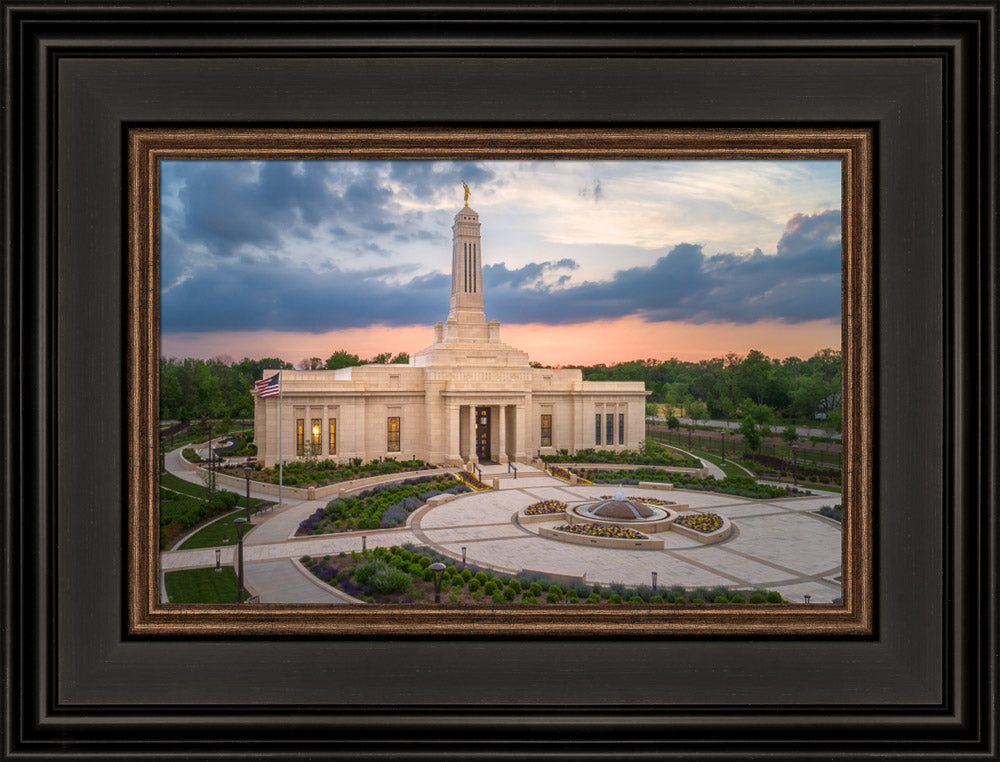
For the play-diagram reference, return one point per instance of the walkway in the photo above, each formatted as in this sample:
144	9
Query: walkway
779	544
282	582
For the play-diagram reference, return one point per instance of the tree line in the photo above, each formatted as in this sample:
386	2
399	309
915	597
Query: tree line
767	390
194	389
733	387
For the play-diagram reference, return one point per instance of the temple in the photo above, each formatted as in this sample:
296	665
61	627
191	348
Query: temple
466	398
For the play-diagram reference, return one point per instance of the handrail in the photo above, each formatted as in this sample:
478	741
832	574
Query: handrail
511	467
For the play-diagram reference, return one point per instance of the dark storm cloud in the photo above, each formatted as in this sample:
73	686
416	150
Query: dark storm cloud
296	298
800	282
225	207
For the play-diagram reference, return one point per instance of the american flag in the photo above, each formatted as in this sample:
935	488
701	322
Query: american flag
268	387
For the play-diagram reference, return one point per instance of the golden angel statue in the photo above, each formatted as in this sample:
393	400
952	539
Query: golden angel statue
468	193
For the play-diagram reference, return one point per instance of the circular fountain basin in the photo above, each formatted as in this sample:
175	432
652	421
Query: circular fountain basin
619	510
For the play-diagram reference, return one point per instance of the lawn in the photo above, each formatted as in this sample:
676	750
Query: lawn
198	491
203	585
211	534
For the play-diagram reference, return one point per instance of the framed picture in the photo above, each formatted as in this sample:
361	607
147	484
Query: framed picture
94	665
343	431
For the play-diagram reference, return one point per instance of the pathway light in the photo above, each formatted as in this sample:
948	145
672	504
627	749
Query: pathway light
437	567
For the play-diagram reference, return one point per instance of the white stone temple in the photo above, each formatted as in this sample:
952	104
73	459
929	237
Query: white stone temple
468	397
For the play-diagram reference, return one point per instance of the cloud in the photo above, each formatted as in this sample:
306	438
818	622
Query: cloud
800	282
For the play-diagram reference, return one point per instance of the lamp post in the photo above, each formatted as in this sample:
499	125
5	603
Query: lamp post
654	579
218	560
240	523
463	556
723	435
795	464
437	567
808	598
246	473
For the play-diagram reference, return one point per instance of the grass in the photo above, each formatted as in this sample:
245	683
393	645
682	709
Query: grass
729	469
210	535
203	585
197	491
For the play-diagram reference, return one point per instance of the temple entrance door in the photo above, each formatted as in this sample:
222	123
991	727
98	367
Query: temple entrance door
483	434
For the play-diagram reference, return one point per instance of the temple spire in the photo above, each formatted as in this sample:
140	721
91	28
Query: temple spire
466	267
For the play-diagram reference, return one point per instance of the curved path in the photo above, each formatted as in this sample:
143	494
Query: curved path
779	544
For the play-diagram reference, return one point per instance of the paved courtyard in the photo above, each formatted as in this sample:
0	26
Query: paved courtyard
780	544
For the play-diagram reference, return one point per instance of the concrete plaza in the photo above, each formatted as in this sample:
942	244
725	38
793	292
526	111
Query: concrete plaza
780	544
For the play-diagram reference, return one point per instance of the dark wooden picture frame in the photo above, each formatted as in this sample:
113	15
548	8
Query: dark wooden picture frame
78	684
148	146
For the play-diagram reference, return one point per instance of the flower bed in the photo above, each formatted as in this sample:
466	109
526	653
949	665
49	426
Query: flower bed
382	507
318	473
402	575
560	473
647	500
652	454
472	481
701	522
613	531
742	486
545	507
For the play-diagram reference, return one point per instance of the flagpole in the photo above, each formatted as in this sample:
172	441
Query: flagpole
281	460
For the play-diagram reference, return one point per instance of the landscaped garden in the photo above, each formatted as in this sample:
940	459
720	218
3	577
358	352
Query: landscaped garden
184	505
312	472
742	486
472	480
608	531
403	575
381	507
700	522
545	507
651	454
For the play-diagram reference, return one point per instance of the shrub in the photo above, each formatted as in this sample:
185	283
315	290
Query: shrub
490	587
635	599
775	597
476	593
535	589
757	598
498	597
515	585
615	598
656	599
466	575
572	597
697	600
474	585
382	576
481	576
593	598
529	599
508	593
552	598
555	590
720	599
453	597
737	599
680	599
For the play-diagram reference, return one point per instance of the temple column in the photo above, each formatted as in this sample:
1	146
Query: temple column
473	458
501	452
520	451
451	435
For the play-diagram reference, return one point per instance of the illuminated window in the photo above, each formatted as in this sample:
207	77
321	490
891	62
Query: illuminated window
597	429
317	436
621	428
300	436
546	430
392	435
610	438
333	436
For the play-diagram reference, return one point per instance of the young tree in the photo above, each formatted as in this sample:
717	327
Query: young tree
751	434
789	434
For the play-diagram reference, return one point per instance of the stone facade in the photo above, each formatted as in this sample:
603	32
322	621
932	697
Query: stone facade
468	397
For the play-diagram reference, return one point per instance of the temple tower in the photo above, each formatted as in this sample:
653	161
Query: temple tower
466	269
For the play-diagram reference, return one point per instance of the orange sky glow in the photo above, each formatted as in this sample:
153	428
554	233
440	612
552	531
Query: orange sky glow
608	342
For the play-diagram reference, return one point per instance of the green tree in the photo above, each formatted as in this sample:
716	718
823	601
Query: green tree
672	422
697	411
403	358
751	434
789	434
342	359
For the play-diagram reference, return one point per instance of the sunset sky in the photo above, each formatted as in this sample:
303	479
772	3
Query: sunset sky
583	261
